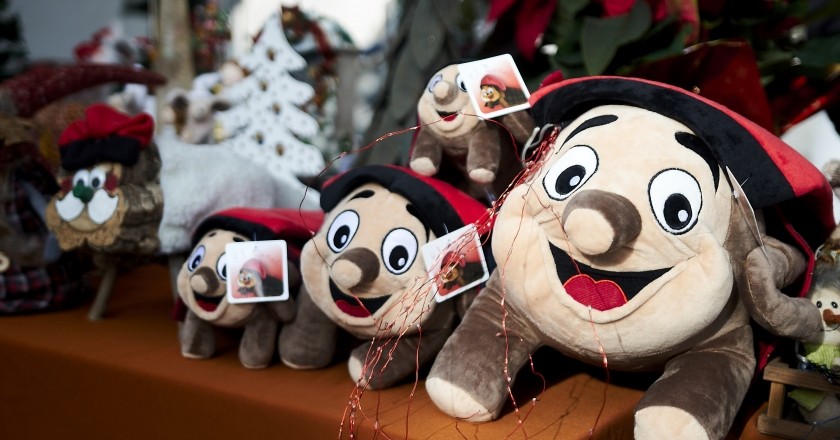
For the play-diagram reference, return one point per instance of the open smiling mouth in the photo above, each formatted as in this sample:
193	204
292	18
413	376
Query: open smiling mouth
447	116
601	289
355	306
208	303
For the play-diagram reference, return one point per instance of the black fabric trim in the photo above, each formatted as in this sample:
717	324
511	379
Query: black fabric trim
87	152
730	142
440	216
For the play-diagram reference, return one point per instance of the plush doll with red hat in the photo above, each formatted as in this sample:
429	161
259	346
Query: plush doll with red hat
110	198
475	155
202	281
630	245
363	272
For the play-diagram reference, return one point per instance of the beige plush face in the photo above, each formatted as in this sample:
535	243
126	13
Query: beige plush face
617	241
202	281
364	268
89	208
446	105
827	299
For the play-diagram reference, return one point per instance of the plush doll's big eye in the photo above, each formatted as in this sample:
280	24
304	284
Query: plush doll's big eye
342	230
97	178
398	250
82	177
433	82
570	172
196	258
221	266
461	84
676	199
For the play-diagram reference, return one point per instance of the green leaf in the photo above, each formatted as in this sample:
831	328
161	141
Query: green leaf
601	37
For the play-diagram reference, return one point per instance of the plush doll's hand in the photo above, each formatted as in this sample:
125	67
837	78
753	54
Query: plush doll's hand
309	340
760	283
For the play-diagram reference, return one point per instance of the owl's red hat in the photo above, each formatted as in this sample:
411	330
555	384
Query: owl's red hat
104	135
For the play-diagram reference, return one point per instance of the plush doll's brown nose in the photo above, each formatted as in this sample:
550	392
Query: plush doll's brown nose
830	318
204	281
355	268
597	222
444	92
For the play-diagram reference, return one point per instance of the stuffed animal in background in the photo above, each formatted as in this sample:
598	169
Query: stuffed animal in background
110	198
460	147
202	282
363	272
629	245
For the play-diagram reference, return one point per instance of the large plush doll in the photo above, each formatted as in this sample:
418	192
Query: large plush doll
471	153
202	281
629	245
364	272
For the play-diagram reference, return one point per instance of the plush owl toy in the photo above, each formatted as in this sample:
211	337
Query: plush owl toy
363	272
110	198
629	244
202	281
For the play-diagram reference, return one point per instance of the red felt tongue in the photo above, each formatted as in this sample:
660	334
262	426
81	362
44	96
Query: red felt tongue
450	117
207	305
601	295
352	309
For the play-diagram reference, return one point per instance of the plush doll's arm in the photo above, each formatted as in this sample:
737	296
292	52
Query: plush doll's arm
469	378
258	341
309	340
759	286
483	153
520	124
198	337
386	361
426	155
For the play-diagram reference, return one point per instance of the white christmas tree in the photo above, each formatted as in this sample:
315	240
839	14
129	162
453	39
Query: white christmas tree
266	122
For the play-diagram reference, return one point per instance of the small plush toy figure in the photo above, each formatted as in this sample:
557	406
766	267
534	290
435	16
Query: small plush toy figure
630	245
363	272
110	198
494	93
202	281
452	135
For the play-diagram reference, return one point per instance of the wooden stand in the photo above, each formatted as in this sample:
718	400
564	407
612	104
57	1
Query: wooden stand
779	375
103	293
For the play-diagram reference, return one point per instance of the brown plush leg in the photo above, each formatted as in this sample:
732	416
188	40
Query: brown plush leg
198	338
385	362
258	341
309	340
700	392
483	155
468	379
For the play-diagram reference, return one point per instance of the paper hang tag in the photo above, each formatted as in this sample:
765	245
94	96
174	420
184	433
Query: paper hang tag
455	262
495	86
746	209
256	271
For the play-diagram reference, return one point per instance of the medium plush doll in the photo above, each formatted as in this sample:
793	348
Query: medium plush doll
364	272
630	244
202	281
468	151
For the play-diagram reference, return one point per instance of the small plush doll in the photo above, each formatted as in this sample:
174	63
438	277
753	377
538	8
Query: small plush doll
202	281
630	245
451	135
363	272
110	198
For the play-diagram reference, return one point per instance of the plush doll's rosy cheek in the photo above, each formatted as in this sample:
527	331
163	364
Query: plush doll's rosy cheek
364	272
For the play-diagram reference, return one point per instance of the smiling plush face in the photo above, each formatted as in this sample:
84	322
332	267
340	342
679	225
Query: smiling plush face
202	281
446	101
827	299
619	233
363	268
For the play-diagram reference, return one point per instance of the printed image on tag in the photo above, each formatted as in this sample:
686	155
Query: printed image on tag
455	262
257	271
495	86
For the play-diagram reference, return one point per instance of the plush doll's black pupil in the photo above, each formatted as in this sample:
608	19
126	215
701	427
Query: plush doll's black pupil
569	179
340	237
677	211
398	257
95	182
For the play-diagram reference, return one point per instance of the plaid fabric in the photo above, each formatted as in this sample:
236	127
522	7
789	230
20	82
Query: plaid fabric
39	288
